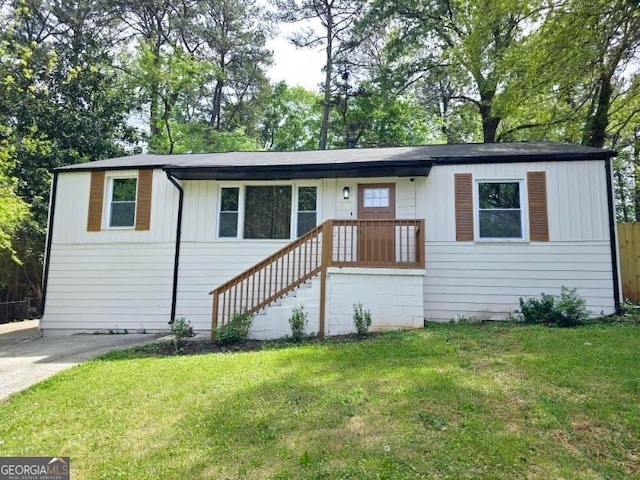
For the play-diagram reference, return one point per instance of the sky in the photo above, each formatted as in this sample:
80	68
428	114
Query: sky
295	66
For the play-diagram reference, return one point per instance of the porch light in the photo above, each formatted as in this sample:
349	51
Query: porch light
345	193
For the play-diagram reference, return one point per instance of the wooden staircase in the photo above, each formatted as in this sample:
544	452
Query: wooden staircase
341	243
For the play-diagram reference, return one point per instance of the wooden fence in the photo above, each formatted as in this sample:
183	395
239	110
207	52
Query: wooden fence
629	248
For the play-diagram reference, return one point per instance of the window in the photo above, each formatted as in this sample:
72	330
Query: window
307	212
376	197
499	210
228	225
122	209
267	212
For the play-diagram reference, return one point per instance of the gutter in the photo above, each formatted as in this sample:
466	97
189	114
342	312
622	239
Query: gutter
176	260
47	253
612	235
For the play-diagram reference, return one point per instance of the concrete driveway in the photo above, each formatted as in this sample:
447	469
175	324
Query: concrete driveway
26	357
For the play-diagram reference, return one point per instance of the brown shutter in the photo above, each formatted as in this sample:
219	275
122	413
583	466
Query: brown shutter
143	200
96	197
464	207
538	219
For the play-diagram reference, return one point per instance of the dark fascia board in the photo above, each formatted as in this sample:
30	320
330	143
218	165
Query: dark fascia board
558	157
90	168
288	172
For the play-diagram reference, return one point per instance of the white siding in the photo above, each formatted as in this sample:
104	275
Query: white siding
576	197
486	279
70	223
98	287
117	279
205	266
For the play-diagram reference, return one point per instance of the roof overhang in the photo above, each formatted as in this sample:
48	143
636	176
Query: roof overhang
418	168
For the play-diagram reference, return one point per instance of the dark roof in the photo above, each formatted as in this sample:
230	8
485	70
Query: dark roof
358	162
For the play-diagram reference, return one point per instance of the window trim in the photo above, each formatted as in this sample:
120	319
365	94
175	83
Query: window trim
524	221
106	211
241	207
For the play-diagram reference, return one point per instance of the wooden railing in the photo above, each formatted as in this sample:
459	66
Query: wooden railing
341	243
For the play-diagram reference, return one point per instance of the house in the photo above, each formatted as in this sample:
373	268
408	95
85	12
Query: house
413	233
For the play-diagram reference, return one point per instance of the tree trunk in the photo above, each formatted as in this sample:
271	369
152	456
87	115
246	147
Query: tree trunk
595	129
489	122
324	127
636	174
620	183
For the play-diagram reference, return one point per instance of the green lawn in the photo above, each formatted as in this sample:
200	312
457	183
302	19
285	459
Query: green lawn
449	401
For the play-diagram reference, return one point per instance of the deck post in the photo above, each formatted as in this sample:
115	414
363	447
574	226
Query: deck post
214	317
327	254
420	247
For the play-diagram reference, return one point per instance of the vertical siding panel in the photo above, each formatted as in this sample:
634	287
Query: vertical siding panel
143	200
96	198
464	207
538	217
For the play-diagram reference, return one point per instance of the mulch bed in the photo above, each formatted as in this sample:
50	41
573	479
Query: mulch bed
194	346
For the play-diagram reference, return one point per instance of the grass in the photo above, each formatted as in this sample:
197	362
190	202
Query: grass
448	401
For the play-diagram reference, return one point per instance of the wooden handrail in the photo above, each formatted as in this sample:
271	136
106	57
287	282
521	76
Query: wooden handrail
391	243
279	253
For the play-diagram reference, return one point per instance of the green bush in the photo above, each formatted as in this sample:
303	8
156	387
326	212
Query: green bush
539	310
567	310
236	331
361	319
181	329
298	322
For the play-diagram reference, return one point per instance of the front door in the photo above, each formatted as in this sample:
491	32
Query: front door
376	240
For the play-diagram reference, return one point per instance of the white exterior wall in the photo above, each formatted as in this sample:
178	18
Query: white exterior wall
206	261
484	280
122	278
114	279
393	296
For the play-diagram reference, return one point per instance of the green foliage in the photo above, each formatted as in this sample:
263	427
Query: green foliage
291	119
181	329
298	322
361	319
630	309
567	310
236	330
13	210
202	138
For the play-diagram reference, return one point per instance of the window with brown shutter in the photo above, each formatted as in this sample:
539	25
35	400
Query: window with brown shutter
128	200
96	197
143	206
538	215
464	207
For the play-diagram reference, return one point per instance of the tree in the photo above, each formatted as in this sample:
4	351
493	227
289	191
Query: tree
59	89
336	17
13	210
291	119
474	46
594	49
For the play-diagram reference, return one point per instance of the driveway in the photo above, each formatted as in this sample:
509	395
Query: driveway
26	357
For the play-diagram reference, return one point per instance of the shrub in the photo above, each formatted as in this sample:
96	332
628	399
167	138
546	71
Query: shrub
629	309
539	310
567	310
236	331
572	308
298	322
181	329
361	319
